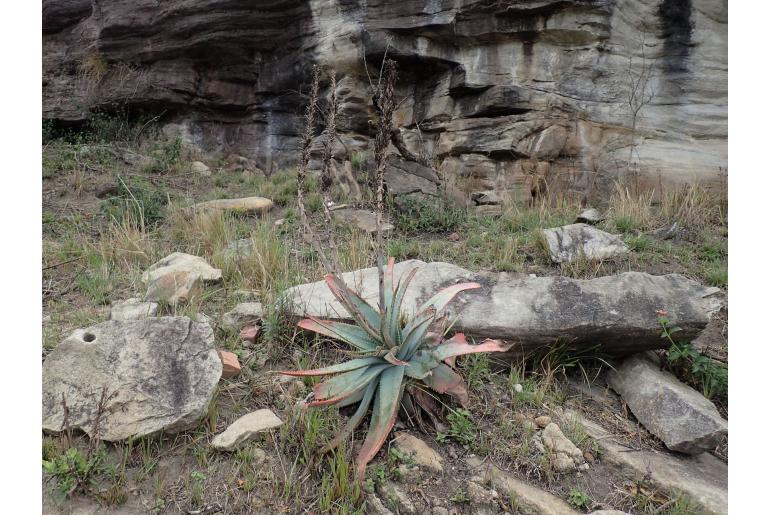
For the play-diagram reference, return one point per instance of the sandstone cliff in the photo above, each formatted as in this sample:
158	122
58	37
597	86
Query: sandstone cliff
497	93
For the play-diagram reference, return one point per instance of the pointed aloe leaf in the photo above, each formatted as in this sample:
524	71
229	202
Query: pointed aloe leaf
390	357
346	366
414	333
348	333
458	346
365	315
394	313
388	331
366	399
443	297
421	364
443	379
383	416
345	384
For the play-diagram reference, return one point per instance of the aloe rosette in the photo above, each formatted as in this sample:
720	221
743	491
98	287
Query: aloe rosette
390	350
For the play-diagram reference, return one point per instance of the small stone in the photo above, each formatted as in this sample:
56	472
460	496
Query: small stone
423	455
542	421
440	510
133	309
562	463
242	315
454	237
407	474
480	496
176	287
394	496
554	439
203	318
589	457
485	198
583	467
250	333
375	507
589	216
246	428
200	168
518	388
231	367
279	222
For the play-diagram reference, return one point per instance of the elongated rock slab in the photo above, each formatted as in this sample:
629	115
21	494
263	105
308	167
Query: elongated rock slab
159	374
703	478
576	241
684	419
616	312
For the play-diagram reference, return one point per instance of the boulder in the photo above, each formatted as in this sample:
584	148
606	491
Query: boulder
244	206
245	313
175	287
422	454
486	198
363	219
133	309
374	506
246	428
159	374
576	241
674	412
702	478
179	261
616	312
406	177
200	168
589	216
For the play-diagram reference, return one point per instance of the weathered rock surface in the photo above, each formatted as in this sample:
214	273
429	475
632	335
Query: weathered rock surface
406	177
242	206
174	287
422	454
682	417
703	478
243	314
363	219
576	241
393	496
245	428
181	262
375	506
538	88
159	374
617	312
530	499
200	168
133	309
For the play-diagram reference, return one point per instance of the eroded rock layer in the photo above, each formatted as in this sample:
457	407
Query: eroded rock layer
496	93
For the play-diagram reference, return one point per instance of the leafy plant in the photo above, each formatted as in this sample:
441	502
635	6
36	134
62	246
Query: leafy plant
460	496
461	426
707	374
579	499
74	471
390	351
427	216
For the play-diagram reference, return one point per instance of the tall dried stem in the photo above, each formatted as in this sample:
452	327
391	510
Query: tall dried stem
385	105
328	148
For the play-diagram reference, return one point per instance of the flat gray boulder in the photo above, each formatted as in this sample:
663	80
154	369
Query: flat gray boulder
242	315
133	309
159	374
684	419
582	241
181	262
616	312
361	218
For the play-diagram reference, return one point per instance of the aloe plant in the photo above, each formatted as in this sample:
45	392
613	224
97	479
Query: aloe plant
390	349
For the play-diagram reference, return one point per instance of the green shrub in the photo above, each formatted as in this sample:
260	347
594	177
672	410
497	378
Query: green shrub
434	215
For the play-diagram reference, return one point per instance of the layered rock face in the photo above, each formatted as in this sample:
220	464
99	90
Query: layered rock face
506	95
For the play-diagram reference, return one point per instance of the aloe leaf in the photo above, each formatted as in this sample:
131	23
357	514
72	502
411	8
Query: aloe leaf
443	297
356	418
394	314
365	315
414	332
421	364
347	366
345	384
458	346
391	358
443	379
348	333
383	416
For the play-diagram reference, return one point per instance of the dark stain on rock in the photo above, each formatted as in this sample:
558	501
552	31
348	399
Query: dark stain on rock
677	29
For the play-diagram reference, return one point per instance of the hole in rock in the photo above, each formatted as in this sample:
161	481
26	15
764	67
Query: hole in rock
89	337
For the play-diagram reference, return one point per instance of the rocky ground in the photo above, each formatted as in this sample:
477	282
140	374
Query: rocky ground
193	420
